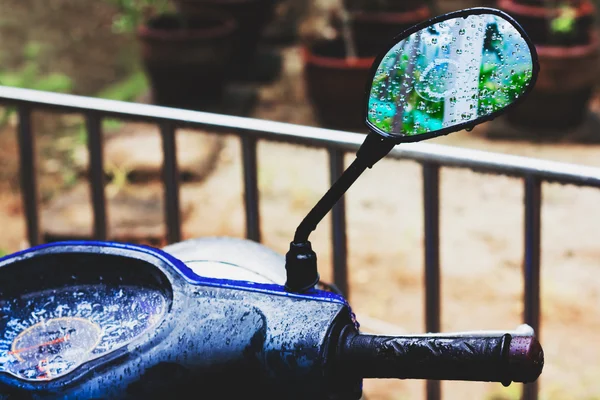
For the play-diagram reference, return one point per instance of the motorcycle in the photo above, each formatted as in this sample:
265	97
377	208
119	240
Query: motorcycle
229	318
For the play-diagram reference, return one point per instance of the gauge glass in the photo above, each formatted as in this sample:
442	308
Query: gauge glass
45	335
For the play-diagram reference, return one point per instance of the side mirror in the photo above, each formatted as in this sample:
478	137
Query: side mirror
446	74
450	73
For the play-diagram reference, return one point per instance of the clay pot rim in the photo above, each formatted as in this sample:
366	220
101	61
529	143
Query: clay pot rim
584	9
579	51
392	17
226	27
335	62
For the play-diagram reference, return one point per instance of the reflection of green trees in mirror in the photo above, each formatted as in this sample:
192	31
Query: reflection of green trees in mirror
432	80
421	115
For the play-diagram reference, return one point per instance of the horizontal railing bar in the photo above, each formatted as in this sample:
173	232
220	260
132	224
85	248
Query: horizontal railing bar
449	156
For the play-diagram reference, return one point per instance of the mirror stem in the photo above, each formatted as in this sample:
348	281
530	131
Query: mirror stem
301	260
309	223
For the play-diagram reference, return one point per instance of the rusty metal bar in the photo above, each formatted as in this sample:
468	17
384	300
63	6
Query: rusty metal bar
338	226
431	209
93	124
27	167
171	182
533	224
251	188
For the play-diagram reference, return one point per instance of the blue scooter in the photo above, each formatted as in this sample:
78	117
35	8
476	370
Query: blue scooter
229	318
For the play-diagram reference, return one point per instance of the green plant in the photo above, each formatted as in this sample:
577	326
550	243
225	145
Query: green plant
127	89
131	13
564	22
30	76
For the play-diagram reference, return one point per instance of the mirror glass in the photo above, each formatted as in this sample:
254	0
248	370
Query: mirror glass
450	73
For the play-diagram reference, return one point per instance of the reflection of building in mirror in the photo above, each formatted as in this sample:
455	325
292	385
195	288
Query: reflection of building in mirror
448	74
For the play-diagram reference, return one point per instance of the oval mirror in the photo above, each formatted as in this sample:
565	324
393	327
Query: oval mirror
450	73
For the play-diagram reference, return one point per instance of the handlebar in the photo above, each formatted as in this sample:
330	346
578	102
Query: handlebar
501	358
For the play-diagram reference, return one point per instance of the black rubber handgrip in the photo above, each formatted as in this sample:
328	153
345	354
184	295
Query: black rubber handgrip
503	359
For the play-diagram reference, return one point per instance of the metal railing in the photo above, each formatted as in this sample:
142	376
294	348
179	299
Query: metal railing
431	156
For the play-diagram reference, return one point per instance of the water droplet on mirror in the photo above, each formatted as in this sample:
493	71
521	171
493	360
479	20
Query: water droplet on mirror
462	31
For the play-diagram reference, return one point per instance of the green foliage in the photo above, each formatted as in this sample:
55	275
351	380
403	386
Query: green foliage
126	90
564	23
132	13
129	89
419	114
30	76
3	253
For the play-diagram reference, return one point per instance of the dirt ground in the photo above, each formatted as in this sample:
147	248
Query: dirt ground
481	239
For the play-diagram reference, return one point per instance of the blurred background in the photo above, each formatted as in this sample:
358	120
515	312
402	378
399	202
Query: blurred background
307	62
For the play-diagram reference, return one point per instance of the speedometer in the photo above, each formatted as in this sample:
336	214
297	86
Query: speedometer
47	334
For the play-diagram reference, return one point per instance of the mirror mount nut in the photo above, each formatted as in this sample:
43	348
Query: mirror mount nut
301	268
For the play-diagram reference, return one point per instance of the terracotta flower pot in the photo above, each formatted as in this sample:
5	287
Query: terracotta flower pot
568	67
536	20
336	86
186	64
560	98
374	30
251	17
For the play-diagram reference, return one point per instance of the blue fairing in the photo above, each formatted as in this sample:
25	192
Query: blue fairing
176	265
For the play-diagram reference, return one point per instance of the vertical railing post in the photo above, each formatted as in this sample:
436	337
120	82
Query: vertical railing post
251	188
533	222
431	208
338	226
96	174
171	182
27	165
